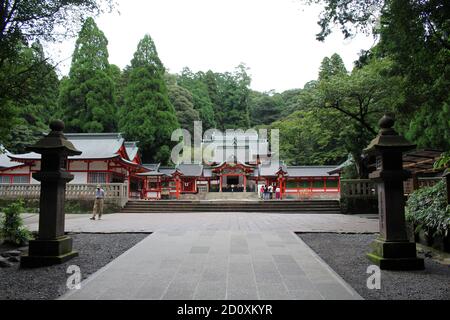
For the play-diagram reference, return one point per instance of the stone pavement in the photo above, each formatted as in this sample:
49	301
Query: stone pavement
217	256
236	265
150	222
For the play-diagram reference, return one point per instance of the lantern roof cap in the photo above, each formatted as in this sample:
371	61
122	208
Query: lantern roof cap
388	138
55	140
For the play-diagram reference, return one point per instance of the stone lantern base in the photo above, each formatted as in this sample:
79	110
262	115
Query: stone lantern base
43	253
391	255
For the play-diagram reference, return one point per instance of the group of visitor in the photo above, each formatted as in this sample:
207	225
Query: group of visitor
267	192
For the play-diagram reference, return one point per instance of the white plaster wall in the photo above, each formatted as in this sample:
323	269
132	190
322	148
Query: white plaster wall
79	177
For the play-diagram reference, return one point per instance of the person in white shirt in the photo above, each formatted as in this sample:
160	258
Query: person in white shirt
98	204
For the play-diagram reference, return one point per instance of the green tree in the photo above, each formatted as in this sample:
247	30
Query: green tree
32	114
183	103
359	99
21	23
201	99
333	66
305	140
147	115
87	97
265	108
415	35
234	93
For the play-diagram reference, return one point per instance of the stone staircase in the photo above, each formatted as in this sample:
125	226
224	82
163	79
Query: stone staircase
270	206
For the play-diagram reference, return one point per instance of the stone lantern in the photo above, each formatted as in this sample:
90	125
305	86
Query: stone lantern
392	249
52	245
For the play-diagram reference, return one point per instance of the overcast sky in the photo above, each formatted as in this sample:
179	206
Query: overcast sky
274	38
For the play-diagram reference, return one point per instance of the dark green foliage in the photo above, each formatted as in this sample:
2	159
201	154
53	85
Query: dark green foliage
147	115
33	113
305	140
222	99
331	67
87	96
415	36
350	16
265	108
12	229
443	161
201	100
427	208
21	77
182	101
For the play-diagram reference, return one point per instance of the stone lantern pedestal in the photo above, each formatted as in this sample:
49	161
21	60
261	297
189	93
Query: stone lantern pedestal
52	245
392	250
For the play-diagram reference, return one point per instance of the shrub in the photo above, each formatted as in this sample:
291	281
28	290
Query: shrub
427	208
12	229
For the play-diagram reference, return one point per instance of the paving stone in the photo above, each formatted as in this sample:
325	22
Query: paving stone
199	250
283	258
225	264
334	291
290	269
305	295
273	292
242	294
211	290
298	283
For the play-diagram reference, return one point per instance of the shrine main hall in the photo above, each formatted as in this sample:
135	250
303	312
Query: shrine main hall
237	162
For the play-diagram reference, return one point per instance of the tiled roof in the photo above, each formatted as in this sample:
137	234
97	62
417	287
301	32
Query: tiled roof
92	145
191	170
5	161
151	166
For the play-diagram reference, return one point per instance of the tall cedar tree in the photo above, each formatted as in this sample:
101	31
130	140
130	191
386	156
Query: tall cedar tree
147	115
21	23
87	95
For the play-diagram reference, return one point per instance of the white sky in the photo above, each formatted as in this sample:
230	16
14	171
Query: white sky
274	38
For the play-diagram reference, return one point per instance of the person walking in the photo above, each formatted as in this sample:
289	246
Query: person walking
266	192
261	192
278	193
270	192
98	204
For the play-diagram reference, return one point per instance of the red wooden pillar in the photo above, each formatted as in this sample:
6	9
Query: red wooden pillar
220	183
177	187
245	183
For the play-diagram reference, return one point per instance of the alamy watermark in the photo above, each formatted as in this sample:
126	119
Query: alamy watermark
74	280
215	146
374	280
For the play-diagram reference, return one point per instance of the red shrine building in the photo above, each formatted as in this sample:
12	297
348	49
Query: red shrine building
108	158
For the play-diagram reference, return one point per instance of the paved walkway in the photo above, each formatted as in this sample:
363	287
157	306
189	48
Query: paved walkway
217	265
129	222
217	256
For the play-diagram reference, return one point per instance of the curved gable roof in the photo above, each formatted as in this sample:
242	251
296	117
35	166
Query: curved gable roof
92	145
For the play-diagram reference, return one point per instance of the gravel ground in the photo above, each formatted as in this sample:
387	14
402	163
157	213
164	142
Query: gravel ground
96	250
345	253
